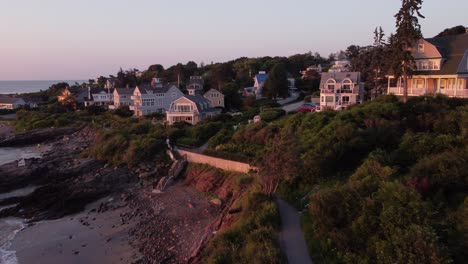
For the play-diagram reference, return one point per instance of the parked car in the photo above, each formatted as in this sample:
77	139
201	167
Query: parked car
307	107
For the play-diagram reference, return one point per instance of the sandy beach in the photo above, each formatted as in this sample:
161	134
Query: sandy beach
87	237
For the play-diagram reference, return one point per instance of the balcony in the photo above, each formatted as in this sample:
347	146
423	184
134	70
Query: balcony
354	90
461	93
327	91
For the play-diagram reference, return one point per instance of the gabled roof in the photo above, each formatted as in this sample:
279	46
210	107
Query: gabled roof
199	100
144	89
100	90
340	77
261	77
212	90
128	91
463	66
453	50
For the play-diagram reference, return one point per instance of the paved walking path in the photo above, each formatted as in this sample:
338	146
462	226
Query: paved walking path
292	239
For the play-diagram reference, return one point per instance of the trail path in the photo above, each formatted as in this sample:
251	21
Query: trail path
292	239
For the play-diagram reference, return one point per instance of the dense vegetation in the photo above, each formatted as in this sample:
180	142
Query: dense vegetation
252	238
385	181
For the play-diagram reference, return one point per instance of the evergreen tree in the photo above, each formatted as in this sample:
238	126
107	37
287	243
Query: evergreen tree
407	33
277	84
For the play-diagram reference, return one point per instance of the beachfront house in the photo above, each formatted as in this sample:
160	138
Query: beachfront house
10	102
99	97
215	97
191	109
122	97
153	99
339	90
441	68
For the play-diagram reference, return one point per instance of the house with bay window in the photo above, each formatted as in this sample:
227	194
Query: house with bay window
191	109
441	68
153	99
339	90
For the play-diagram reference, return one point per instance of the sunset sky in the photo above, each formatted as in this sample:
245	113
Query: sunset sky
64	39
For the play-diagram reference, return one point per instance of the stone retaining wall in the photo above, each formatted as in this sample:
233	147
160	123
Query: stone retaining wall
223	164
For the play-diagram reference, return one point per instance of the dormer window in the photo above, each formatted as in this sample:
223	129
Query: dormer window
421	47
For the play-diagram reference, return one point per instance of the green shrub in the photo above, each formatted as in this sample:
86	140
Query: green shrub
252	239
271	114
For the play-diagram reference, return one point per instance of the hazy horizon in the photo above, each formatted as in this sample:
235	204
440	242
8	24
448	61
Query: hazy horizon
62	40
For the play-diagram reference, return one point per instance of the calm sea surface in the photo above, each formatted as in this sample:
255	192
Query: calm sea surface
13	87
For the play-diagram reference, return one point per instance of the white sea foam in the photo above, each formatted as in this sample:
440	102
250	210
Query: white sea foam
9	227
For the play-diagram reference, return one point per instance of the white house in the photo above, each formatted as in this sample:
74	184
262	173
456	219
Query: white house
99	97
340	90
191	109
122	97
149	99
340	66
8	102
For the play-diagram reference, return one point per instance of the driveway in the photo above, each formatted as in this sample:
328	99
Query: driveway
292	107
292	239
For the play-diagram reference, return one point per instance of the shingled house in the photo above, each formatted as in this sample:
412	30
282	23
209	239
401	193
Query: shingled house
441	68
191	109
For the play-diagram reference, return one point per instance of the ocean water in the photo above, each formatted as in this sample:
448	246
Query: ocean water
8	155
9	227
13	87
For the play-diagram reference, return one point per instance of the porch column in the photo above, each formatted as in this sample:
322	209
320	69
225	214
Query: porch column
438	85
456	86
425	85
388	86
399	85
410	88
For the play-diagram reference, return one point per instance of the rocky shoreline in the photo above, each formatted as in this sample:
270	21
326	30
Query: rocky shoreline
166	228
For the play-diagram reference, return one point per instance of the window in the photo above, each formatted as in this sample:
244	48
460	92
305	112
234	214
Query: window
421	47
424	65
419	83
345	99
443	83
431	65
183	108
330	84
347	86
329	99
323	99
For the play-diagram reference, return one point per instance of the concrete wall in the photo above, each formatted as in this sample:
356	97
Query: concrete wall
215	162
